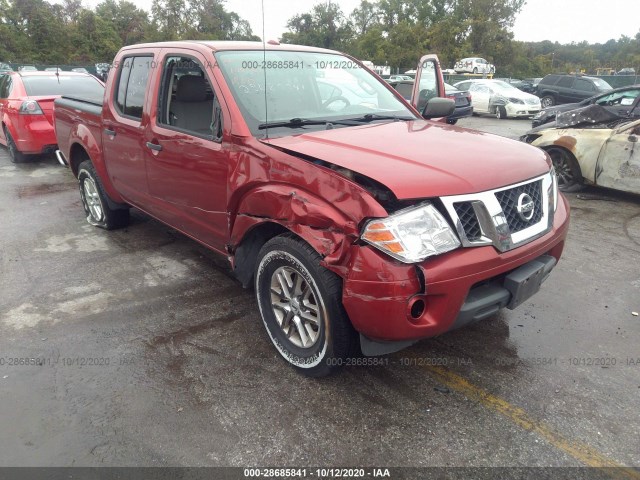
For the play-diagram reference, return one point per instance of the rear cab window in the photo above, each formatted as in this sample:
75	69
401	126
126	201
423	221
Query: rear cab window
132	85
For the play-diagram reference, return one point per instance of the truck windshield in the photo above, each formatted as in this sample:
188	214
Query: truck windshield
316	87
76	85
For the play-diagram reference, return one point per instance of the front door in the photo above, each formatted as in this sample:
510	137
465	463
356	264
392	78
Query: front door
185	153
429	82
619	161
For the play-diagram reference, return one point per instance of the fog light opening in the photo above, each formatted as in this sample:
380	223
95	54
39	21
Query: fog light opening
417	307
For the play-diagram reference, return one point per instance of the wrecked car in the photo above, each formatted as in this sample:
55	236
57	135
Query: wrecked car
362	225
500	98
624	102
591	145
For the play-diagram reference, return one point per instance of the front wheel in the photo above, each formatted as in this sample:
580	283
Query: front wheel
475	70
501	112
547	101
300	307
567	170
95	200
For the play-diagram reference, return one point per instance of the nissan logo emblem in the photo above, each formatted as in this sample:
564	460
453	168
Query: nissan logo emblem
525	208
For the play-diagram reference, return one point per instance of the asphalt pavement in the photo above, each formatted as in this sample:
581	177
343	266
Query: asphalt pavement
135	347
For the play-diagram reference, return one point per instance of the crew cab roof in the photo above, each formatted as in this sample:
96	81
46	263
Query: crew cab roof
50	73
218	46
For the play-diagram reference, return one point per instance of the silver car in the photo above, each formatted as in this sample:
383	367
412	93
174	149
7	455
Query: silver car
474	65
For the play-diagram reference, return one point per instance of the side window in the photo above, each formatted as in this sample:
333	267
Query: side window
132	85
6	84
565	82
122	83
549	80
187	101
584	85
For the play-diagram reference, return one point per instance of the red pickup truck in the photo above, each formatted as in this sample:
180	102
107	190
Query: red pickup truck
362	225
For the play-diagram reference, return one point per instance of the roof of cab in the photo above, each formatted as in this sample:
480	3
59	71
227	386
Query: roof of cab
42	73
218	46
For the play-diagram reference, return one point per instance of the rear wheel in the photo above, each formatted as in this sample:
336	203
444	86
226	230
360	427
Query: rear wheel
547	101
452	122
95	200
15	155
501	112
475	70
567	170
301	308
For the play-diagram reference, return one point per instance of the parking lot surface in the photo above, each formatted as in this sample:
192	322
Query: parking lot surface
149	353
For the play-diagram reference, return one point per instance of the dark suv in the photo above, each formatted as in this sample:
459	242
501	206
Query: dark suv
555	89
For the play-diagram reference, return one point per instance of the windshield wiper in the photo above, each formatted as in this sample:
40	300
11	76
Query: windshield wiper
369	117
303	122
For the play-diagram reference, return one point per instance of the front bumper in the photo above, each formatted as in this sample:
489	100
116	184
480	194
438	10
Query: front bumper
379	293
521	110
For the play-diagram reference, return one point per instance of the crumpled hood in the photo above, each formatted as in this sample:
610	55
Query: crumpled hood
420	159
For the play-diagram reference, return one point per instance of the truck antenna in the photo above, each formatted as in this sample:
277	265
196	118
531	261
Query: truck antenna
264	69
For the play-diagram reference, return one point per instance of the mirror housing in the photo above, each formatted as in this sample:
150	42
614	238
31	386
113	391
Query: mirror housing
438	107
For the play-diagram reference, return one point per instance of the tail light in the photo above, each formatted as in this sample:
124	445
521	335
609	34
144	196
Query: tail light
452	97
30	107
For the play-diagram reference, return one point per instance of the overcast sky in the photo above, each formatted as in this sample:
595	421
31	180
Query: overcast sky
556	20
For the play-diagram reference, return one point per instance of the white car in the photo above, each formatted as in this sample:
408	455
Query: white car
474	65
500	99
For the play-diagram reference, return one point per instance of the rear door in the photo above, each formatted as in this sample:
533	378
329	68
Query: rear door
125	116
185	151
429	82
619	160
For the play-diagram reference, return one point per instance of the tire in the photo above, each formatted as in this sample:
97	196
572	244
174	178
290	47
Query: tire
547	101
567	170
452	122
492	71
475	70
501	112
95	201
290	283
15	155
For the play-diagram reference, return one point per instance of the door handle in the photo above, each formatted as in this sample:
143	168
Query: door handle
111	133
154	146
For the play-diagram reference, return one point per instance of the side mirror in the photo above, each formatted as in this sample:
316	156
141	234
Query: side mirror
438	107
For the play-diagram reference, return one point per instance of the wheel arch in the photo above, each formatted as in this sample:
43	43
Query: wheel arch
271	210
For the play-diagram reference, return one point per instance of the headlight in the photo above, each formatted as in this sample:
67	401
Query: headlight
516	100
529	137
553	190
412	235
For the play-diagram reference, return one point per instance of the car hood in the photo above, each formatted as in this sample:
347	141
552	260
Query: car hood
419	159
517	94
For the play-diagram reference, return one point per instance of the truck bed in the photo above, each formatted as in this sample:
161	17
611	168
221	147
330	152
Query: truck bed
72	114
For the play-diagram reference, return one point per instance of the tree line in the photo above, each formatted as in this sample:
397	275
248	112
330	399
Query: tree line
386	32
36	31
398	32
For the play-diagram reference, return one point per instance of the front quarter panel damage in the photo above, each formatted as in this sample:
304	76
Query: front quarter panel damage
280	192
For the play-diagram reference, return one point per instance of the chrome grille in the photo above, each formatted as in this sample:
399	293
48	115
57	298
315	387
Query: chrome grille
469	220
505	218
509	202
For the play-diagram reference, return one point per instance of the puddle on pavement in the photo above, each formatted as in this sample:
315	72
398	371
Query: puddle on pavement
30	191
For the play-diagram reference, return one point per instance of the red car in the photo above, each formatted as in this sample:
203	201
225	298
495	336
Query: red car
358	222
26	108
